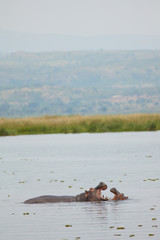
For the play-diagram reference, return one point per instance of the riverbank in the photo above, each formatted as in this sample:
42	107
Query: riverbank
79	124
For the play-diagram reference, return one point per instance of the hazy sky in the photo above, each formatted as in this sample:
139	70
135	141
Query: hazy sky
81	17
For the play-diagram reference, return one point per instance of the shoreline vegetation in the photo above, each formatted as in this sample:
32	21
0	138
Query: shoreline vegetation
79	124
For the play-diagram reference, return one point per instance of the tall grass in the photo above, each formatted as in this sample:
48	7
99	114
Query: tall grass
79	124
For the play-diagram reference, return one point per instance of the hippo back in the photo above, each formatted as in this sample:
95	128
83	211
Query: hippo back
83	197
50	199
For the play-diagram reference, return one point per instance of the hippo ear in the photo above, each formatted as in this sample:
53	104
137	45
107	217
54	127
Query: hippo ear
86	191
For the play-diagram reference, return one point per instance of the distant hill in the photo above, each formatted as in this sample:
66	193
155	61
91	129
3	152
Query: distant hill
14	41
79	82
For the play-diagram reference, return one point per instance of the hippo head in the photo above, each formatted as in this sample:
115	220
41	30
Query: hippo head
94	195
117	195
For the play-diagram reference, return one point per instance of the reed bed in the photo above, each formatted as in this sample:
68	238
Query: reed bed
79	124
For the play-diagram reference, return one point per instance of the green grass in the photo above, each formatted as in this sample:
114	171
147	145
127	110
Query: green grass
79	124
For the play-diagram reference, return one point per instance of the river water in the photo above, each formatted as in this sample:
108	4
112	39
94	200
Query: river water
35	165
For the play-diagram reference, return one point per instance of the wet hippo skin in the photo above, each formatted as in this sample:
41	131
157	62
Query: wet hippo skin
50	199
94	194
83	197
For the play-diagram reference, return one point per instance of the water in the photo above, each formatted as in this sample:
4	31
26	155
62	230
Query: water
67	165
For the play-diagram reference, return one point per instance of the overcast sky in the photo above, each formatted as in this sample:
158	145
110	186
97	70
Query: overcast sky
81	17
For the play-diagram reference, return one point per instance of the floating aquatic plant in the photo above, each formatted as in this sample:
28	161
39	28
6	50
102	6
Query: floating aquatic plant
140	225
68	225
120	228
132	235
154	219
69	186
111	227
150	234
153	179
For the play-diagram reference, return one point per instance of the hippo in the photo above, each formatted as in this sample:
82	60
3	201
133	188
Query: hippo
94	194
97	191
117	195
